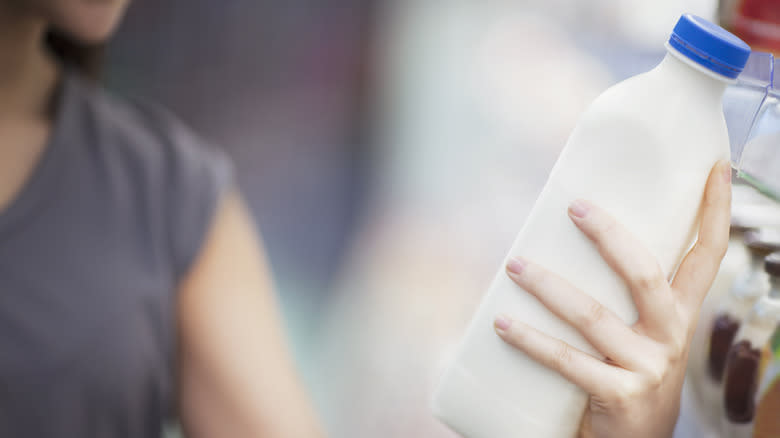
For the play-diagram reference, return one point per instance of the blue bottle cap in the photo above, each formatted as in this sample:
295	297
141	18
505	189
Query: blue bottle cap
709	45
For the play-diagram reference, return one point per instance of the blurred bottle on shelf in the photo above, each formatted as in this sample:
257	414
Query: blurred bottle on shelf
723	318
749	210
767	420
747	289
747	360
734	263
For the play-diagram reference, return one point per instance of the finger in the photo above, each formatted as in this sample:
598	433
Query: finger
698	268
602	328
629	258
576	366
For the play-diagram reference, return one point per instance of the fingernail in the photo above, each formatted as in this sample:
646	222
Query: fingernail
516	265
579	208
727	171
502	323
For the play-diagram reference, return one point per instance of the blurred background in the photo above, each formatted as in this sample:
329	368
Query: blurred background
390	151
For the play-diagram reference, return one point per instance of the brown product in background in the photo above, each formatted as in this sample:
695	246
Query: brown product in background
741	382
724	329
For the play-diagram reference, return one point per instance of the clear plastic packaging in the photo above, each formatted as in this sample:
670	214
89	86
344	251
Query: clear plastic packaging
752	110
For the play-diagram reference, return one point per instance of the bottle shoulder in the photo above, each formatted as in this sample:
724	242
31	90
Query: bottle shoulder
645	112
653	94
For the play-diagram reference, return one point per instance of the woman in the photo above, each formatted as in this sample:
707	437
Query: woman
133	289
132	286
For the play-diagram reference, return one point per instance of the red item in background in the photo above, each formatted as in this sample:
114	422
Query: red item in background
757	22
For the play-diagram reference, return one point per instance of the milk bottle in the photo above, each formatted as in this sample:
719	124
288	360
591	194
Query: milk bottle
643	151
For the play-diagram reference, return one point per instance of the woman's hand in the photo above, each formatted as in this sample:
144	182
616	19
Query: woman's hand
635	391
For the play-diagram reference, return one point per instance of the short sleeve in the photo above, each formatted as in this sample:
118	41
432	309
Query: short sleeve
180	177
197	176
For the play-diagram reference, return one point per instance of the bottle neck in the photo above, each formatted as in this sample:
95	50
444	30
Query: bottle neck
756	271
749	287
774	287
692	75
756	262
763	319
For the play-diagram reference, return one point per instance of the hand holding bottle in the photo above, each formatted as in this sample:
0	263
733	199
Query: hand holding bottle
635	391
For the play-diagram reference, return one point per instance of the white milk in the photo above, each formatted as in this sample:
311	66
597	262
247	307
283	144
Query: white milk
643	151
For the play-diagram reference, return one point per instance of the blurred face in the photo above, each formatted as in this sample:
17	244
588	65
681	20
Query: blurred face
87	21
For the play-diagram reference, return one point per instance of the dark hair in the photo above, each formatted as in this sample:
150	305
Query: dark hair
87	59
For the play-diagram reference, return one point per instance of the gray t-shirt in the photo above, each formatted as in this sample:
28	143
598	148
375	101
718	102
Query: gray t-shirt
91	251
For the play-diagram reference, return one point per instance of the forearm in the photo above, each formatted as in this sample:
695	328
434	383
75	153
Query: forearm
237	377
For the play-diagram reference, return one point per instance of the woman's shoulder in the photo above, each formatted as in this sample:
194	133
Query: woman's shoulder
143	136
142	146
133	124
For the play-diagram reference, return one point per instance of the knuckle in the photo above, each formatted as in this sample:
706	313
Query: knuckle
654	376
675	350
595	315
667	358
646	282
650	279
598	405
562	356
626	392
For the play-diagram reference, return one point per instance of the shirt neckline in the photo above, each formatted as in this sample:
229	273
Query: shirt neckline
42	179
